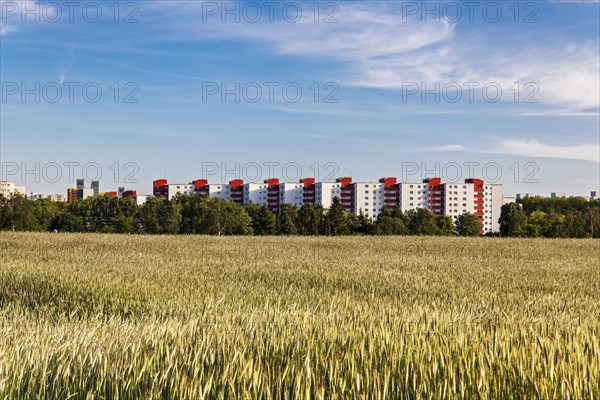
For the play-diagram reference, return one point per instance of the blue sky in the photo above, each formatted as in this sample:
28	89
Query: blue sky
370	60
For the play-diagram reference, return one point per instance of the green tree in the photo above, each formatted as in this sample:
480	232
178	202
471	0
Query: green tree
17	214
513	220
390	223
445	225
66	222
191	212
336	219
263	220
169	217
361	224
554	227
287	220
536	224
125	224
576	224
468	224
45	211
421	221
221	217
310	219
149	215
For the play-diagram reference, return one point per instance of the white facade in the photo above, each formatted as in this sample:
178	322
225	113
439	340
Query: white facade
413	195
7	189
140	199
459	199
522	195
222	191
173	189
36	196
255	193
368	198
58	198
452	199
325	192
291	193
86	192
507	200
492	204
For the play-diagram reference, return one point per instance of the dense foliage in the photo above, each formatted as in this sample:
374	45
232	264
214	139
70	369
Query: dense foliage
531	217
551	217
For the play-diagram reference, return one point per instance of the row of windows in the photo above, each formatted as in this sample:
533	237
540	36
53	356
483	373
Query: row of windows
455	211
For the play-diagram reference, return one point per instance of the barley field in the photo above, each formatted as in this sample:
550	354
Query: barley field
85	316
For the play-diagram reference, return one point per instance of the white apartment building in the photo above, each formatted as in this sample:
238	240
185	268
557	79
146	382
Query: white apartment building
222	191
57	198
458	199
493	202
291	193
255	193
173	189
86	192
368	198
523	195
140	199
325	192
7	189
413	195
453	199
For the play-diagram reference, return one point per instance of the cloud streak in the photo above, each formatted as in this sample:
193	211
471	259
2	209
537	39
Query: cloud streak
527	148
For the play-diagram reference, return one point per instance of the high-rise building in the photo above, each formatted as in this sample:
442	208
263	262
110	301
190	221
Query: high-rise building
72	195
95	188
453	199
8	189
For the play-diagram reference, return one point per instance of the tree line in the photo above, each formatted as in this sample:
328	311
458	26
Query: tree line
188	214
570	217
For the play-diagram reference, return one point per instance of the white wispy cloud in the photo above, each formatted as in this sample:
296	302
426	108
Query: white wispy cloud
536	148
527	148
379	48
16	14
376	46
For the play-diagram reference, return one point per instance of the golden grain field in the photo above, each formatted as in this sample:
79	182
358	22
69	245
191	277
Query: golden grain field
85	316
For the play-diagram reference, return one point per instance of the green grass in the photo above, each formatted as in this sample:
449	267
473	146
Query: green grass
115	316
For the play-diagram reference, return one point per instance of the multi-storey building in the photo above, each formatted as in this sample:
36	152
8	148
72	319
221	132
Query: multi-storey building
273	194
236	191
459	198
324	192
493	201
57	198
347	194
138	199
161	188
413	195
71	195
8	189
291	193
453	199
368	198
255	193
